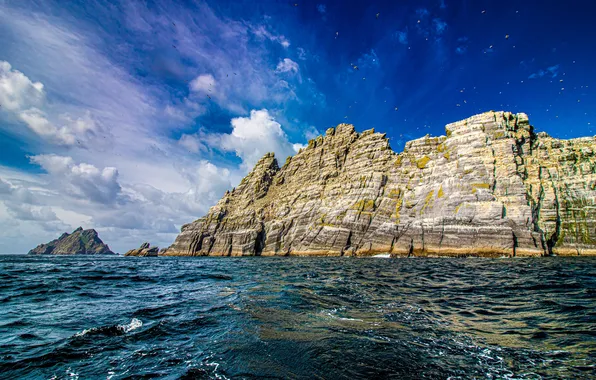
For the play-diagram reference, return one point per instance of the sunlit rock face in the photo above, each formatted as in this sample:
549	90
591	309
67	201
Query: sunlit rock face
490	187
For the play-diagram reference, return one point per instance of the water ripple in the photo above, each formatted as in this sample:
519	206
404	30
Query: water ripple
188	318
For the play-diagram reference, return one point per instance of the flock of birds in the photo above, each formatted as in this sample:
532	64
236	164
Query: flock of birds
356	68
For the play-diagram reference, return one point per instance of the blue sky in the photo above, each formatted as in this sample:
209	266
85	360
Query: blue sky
133	117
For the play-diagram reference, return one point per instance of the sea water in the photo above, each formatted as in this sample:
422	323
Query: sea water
327	318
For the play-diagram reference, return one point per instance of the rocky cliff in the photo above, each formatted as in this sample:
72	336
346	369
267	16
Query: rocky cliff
80	242
145	250
490	187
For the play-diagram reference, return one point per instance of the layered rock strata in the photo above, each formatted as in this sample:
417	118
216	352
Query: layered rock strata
79	242
145	250
490	187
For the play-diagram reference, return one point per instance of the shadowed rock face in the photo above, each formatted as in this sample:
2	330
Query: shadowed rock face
144	250
80	242
491	187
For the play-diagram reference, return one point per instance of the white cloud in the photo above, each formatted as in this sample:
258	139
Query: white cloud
5	187
184	112
252	137
81	126
261	32
311	132
206	87
20	203
192	143
175	113
27	212
203	83
210	181
54	164
74	194
68	89
148	208
36	120
21	96
17	91
298	146
66	61
23	216
223	48
83	181
287	66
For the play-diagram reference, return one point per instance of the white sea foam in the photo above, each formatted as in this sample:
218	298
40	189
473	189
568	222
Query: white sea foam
84	332
333	314
69	372
133	325
383	255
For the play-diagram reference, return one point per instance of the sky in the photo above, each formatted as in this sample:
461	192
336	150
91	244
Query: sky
134	117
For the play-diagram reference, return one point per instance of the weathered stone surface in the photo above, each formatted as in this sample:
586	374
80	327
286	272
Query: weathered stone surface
145	250
491	187
79	242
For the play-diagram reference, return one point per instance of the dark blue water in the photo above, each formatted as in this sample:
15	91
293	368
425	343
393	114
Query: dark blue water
134	318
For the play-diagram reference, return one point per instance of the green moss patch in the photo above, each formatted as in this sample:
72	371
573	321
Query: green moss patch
364	205
421	163
476	186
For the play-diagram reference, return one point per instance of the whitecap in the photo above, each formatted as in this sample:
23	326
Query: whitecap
349	319
383	255
83	333
133	325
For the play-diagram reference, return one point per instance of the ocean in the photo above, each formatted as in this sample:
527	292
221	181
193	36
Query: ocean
313	318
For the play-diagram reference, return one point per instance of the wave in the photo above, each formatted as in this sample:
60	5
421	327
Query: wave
294	318
113	330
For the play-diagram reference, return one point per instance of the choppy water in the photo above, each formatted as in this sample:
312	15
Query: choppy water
130	318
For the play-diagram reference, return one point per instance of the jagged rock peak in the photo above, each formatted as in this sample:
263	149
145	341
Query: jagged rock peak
79	242
256	183
145	250
490	187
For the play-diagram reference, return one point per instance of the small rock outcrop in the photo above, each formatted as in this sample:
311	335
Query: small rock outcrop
145	250
79	242
490	187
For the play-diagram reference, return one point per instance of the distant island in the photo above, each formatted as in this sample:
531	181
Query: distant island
79	242
491	187
145	250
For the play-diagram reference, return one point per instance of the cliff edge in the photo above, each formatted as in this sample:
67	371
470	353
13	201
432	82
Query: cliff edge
490	187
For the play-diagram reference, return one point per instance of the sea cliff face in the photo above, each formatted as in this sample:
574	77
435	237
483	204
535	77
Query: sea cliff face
490	187
79	242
